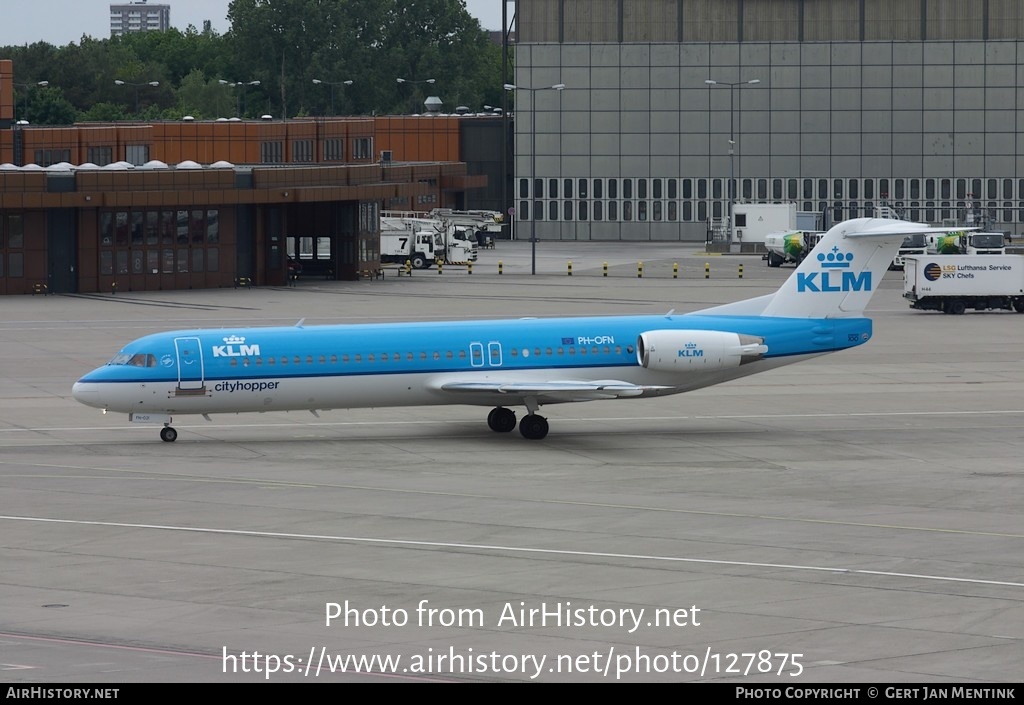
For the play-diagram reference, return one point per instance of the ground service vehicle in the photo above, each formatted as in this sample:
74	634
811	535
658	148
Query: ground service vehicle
955	283
481	225
912	245
421	249
966	243
789	246
458	243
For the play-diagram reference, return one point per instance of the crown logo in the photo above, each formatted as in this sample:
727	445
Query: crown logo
835	259
690	346
233	340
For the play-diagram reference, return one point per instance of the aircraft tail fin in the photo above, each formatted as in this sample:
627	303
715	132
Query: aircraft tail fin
839	276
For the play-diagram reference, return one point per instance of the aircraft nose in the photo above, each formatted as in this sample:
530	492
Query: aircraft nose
87	393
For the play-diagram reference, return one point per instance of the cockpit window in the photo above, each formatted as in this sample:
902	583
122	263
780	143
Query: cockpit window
134	360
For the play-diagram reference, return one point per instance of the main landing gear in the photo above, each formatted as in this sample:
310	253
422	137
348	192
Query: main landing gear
168	434
532	426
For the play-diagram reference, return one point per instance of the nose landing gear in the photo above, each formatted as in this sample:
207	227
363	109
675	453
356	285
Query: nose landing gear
168	434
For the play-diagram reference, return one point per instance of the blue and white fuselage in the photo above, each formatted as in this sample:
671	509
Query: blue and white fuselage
503	363
411	364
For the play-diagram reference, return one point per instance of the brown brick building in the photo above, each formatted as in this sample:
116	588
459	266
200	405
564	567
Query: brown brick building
196	204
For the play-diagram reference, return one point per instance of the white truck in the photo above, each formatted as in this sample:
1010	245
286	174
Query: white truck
789	246
457	243
955	283
912	245
481	225
421	249
966	243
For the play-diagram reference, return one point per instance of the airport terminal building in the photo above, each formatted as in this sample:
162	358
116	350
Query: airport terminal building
836	105
183	204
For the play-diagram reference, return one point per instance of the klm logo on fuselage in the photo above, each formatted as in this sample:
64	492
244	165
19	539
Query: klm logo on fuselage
235	347
834	275
690	350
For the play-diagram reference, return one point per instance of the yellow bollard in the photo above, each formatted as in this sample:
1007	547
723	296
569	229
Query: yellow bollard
675	270
606	269
499	266
440	266
469	268
408	268
707	270
639	270
741	271
570	268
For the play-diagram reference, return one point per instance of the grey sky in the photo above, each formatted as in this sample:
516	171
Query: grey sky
62	22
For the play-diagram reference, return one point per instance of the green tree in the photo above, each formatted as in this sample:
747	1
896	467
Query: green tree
47	106
288	43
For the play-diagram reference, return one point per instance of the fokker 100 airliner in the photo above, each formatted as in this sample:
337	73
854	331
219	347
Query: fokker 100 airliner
505	363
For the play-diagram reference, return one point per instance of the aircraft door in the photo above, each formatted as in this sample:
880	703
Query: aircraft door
190	363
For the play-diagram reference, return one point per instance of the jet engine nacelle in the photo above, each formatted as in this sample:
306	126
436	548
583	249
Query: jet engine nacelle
696	350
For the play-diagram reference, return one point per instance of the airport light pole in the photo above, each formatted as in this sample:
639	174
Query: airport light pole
332	84
236	84
533	161
27	87
407	80
137	86
732	139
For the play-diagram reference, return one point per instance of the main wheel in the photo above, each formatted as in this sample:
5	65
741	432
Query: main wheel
956	307
168	434
534	427
774	260
501	419
419	262
1018	305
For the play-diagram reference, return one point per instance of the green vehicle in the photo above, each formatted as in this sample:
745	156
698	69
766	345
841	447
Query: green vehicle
789	246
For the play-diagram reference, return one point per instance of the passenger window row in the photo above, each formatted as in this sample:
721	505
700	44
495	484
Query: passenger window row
357	358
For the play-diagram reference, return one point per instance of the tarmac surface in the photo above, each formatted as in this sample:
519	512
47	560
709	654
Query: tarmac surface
851	519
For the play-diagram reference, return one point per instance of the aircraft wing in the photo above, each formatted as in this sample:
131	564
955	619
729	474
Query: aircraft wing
560	390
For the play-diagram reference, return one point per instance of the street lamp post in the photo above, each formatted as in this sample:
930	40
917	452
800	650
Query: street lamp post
533	161
27	86
236	84
732	139
407	80
332	84
137	86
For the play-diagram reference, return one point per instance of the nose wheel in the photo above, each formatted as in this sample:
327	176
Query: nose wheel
168	434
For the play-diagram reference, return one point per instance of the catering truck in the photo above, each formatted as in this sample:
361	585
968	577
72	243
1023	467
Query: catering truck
955	283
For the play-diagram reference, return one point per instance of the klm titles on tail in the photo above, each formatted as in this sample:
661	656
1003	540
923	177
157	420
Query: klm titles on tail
831	280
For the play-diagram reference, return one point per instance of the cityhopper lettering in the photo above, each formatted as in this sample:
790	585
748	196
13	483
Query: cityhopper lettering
235	346
834	275
232	387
